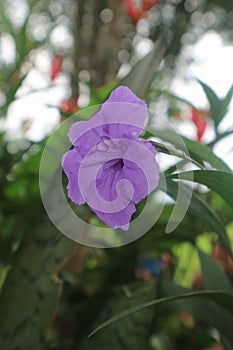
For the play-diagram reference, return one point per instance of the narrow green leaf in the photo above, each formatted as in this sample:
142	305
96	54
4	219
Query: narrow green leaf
215	103
142	74
217	315
174	152
210	94
219	107
219	137
220	182
214	277
226	101
197	151
201	210
99	95
139	78
130	333
216	296
35	297
172	97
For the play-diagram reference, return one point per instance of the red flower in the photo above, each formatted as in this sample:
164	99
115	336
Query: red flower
69	106
137	12
56	67
148	4
200	122
134	12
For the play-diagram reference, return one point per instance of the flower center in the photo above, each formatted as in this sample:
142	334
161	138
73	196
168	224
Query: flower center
118	164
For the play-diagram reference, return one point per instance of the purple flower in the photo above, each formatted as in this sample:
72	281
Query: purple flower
110	168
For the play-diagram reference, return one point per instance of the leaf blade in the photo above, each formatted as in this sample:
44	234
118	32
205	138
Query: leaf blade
220	182
201	210
197	151
142	74
213	275
217	296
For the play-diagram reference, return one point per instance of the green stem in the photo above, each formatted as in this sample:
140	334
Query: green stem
177	153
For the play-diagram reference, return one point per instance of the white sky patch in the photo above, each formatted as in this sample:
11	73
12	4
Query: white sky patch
59	32
17	12
35	110
212	65
143	47
7	48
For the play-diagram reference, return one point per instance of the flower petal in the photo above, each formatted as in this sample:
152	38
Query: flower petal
71	162
137	178
123	113
124	94
120	219
110	168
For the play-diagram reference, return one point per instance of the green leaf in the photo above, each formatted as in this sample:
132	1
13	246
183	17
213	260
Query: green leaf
200	209
220	182
142	74
218	297
219	107
98	96
172	97
131	333
209	312
35	297
197	151
174	152
226	101
214	101
219	137
214	277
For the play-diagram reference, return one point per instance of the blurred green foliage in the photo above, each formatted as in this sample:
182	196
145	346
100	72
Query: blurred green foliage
55	292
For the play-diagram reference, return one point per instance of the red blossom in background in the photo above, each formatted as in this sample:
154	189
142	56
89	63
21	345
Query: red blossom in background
134	12
198	118
56	67
148	4
69	105
138	12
